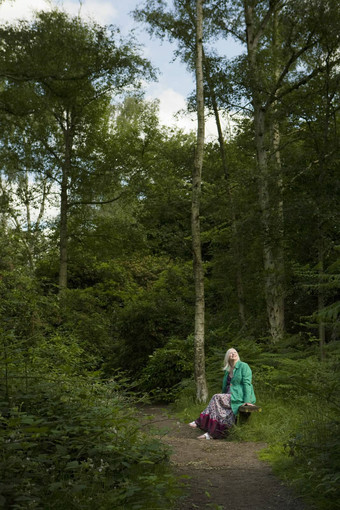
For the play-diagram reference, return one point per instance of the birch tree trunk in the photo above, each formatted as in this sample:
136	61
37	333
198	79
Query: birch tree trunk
29	244
200	378
27	229
272	267
63	239
277	185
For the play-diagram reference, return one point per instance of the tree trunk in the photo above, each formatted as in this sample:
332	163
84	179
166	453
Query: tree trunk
272	264
201	384
63	232
29	244
63	243
235	237
277	184
272	281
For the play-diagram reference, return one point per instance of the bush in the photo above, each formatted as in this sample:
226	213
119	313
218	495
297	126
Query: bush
67	439
166	368
76	444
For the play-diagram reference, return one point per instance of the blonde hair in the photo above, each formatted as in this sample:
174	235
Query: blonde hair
226	359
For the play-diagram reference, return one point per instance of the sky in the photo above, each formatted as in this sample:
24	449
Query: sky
174	83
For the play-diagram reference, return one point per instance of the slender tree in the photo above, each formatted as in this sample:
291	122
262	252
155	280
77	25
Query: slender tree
201	385
179	25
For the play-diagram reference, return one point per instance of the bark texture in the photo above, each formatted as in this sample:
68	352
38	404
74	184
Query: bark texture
268	198
200	378
64	205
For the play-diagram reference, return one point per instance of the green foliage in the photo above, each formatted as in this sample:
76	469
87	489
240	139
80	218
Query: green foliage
166	368
317	280
309	458
66	438
309	429
74	441
159	309
85	316
59	354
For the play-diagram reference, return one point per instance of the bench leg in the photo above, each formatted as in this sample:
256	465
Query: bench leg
242	418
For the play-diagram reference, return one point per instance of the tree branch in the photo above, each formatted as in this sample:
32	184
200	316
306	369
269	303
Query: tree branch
265	21
97	202
301	82
52	151
293	58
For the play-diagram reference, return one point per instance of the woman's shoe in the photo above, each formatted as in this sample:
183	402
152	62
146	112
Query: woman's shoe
193	425
205	436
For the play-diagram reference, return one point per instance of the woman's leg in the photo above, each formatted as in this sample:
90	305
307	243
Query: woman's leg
217	417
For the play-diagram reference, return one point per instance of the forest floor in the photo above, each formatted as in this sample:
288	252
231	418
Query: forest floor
218	475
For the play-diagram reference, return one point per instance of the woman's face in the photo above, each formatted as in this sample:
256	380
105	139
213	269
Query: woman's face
233	356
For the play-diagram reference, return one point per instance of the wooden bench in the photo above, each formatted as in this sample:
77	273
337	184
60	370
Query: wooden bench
244	413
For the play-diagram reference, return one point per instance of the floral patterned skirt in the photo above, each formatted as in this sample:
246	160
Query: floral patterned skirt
217	418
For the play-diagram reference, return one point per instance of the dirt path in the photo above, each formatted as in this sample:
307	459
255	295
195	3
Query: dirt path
222	475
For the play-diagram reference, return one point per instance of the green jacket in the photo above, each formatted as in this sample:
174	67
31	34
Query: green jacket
241	388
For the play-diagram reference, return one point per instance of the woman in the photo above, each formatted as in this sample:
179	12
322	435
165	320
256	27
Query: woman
237	389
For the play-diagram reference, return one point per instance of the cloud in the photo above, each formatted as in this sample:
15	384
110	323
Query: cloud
173	113
21	9
101	11
172	106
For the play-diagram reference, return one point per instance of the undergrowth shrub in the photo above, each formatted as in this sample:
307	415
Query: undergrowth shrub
308	453
74	443
67	439
166	368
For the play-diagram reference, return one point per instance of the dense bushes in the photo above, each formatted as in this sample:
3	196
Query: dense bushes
74	442
166	369
67	438
306	449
